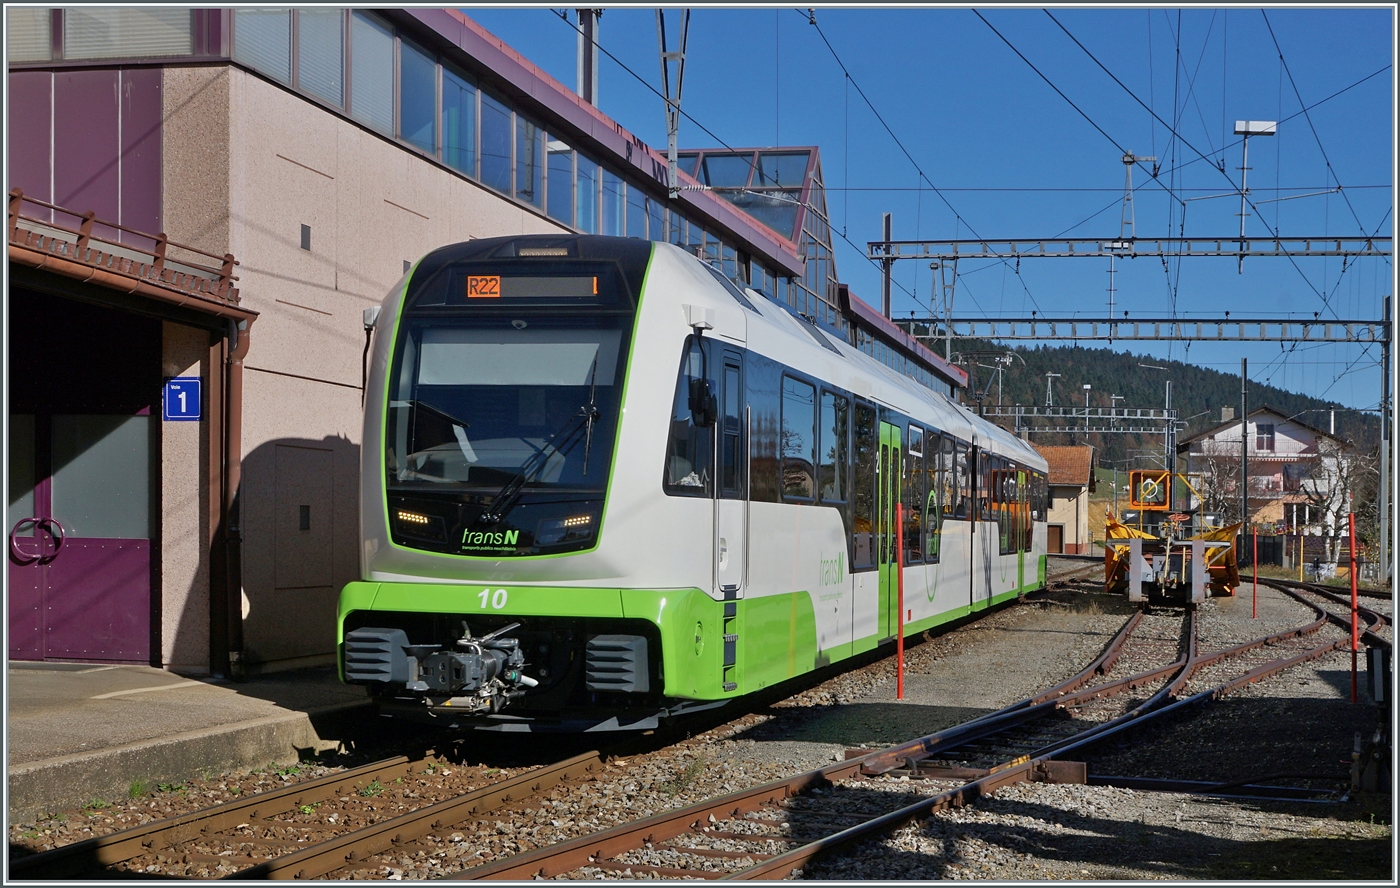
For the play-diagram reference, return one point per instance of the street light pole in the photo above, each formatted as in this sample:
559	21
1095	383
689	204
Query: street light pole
1086	412
1249	128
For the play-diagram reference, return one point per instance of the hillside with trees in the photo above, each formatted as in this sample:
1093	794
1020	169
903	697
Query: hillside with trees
1197	393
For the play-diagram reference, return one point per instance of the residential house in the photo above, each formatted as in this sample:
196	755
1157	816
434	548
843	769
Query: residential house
1071	480
1297	472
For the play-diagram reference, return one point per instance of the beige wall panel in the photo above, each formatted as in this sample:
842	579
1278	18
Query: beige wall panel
195	158
184	564
287	422
371	205
286	174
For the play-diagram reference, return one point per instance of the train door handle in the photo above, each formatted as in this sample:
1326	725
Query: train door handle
15	552
49	525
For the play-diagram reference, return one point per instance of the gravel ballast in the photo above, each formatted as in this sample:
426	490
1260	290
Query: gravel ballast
1298	723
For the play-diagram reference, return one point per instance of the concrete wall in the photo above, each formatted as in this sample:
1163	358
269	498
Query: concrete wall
370	205
184	556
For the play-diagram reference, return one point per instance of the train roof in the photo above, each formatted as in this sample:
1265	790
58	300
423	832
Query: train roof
776	332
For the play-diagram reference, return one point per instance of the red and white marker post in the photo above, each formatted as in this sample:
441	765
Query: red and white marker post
899	632
1351	531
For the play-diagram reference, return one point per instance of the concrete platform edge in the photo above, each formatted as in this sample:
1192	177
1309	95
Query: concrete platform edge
70	781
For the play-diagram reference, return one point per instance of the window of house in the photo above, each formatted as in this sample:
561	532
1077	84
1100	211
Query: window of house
321	53
587	194
94	32
1264	436
417	97
613	191
495	143
372	72
636	213
28	35
262	40
458	122
561	181
655	219
529	161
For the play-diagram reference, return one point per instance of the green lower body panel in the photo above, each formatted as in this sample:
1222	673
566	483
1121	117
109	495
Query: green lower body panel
706	645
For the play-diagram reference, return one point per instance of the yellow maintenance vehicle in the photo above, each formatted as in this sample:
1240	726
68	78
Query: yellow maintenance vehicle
1156	550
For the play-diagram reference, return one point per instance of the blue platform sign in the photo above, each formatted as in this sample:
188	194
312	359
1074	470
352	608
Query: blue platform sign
181	401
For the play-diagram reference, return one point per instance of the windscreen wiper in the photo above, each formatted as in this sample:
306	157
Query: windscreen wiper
560	443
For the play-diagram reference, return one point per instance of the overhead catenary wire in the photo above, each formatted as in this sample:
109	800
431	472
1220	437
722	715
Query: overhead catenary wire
1308	118
1292	260
563	16
811	17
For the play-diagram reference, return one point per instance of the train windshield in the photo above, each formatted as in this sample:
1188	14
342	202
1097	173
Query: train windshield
500	427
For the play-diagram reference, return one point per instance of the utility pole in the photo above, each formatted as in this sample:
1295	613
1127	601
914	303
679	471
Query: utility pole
588	54
886	266
1126	221
1049	381
673	101
1086	412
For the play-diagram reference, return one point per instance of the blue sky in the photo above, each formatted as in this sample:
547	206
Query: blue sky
1007	156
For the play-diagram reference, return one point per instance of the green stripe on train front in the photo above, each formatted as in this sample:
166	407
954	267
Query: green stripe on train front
690	623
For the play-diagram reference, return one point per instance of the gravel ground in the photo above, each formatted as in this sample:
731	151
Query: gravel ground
1300	723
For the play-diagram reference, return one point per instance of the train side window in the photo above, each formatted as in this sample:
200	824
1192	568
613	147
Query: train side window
935	496
732	442
689	449
962	482
982	483
863	489
914	496
763	387
835	430
798	444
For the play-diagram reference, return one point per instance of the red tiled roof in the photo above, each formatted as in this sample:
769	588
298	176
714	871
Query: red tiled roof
1068	465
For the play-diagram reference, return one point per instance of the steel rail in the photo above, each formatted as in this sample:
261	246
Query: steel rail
102	851
784	864
344	851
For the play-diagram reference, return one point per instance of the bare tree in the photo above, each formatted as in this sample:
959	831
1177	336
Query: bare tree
1336	477
1220	474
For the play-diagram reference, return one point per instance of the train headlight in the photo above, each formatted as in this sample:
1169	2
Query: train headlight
564	530
416	524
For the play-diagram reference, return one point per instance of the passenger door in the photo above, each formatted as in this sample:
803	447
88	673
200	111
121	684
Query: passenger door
888	487
731	508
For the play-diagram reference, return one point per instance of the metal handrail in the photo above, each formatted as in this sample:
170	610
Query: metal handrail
151	265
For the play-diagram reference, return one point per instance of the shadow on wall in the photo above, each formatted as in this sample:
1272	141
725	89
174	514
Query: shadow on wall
299	501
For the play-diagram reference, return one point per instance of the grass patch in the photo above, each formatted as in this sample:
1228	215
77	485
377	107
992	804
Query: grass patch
685	777
137	789
371	789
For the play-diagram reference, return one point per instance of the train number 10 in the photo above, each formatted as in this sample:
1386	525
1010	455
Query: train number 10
497	599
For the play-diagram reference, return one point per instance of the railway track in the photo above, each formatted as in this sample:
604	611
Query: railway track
773	830
763	832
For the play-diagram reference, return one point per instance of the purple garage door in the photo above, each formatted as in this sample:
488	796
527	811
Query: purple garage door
82	446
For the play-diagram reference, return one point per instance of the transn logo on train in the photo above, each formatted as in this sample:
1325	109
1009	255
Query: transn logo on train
472	539
483	286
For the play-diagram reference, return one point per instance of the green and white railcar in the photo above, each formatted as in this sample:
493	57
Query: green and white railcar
602	485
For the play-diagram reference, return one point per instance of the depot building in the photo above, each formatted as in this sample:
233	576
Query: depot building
202	202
